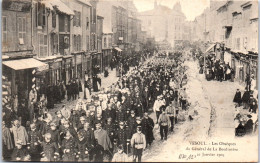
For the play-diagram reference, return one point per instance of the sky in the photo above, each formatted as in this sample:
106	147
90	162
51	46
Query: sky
191	8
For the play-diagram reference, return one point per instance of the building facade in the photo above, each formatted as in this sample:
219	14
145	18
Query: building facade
165	24
232	24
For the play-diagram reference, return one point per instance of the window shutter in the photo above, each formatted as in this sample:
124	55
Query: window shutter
75	18
43	16
79	43
75	42
79	17
53	20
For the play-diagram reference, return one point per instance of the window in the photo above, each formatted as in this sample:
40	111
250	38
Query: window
77	42
94	15
76	19
41	15
53	20
87	22
54	43
4	29
105	42
66	24
42	45
110	41
21	29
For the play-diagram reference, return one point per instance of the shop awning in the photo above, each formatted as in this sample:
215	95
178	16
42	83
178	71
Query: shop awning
118	49
59	5
22	64
211	46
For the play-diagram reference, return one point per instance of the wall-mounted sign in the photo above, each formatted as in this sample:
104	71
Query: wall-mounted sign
16	6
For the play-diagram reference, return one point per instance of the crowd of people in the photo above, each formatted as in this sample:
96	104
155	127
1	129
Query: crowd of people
216	69
247	112
109	126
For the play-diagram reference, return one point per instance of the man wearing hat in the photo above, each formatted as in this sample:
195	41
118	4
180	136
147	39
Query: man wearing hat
19	153
88	135
74	119
138	142
84	148
164	123
120	115
55	135
110	113
121	135
131	122
110	128
147	128
34	140
69	147
50	149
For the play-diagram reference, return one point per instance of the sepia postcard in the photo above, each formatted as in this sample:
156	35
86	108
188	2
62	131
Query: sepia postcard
129	80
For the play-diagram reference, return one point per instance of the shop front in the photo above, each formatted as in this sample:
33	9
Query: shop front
19	74
55	71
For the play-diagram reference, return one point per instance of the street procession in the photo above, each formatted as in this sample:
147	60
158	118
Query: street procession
129	81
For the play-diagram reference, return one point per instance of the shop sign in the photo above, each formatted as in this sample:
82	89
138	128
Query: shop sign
16	6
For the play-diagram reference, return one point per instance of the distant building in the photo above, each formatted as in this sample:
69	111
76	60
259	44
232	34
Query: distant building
165	24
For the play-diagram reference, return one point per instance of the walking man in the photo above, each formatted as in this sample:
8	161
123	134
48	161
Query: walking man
164	123
138	142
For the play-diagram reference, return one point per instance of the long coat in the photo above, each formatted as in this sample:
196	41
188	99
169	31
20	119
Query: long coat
237	98
147	129
103	139
70	145
34	140
49	149
83	150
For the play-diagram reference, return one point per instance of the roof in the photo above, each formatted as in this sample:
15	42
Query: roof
85	2
21	64
59	5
